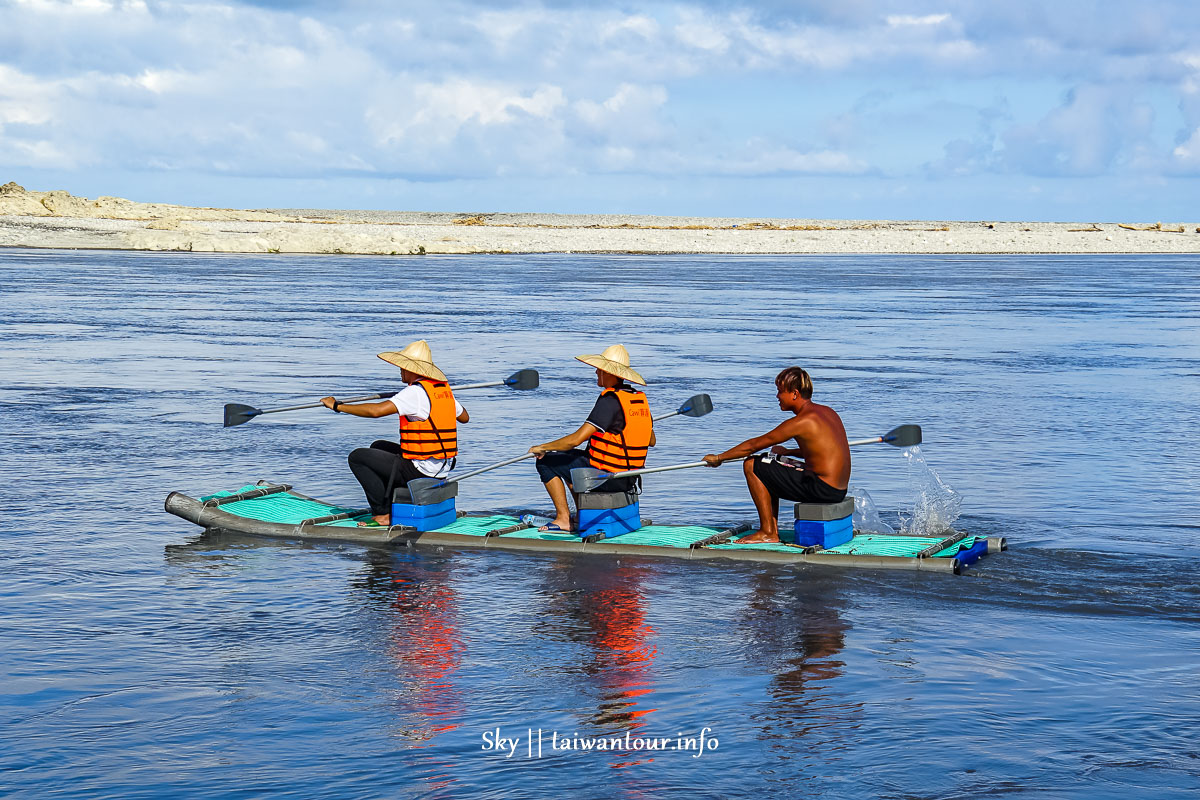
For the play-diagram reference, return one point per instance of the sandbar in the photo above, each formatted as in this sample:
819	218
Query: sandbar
58	219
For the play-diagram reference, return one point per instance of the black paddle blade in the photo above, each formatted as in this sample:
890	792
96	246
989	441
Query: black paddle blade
696	406
584	479
904	436
419	489
523	379
237	414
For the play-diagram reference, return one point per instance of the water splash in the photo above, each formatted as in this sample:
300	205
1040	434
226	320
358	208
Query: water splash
935	506
866	514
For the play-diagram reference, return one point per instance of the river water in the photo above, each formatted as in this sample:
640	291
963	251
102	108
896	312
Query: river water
1059	396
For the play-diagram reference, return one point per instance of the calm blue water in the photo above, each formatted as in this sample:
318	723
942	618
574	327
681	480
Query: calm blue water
140	658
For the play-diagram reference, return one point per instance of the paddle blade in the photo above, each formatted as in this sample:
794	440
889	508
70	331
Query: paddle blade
421	490
522	379
696	406
584	479
237	414
904	436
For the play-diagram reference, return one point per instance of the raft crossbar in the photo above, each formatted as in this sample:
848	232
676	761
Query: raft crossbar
250	495
718	538
358	512
520	526
942	545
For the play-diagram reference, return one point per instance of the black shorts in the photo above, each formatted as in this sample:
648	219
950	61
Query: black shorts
792	483
559	465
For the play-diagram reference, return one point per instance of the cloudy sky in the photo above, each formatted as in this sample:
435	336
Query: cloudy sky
1021	109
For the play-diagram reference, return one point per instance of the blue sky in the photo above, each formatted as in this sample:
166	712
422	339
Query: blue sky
1042	110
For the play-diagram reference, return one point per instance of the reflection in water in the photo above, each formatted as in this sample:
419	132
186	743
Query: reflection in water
424	644
608	602
797	635
416	602
425	649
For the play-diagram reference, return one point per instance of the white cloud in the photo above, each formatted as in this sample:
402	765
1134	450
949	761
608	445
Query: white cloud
905	20
438	111
25	99
760	158
703	34
636	25
631	113
1094	130
1187	155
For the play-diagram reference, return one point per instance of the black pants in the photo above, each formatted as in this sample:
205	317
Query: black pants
560	464
792	483
379	467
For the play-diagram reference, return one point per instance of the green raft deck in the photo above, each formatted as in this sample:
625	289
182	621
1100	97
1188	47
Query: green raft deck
276	511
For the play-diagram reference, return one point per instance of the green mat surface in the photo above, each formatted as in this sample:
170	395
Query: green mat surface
282	508
291	510
678	536
864	544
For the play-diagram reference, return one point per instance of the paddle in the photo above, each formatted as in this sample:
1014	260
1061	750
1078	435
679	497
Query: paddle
239	414
902	436
585	479
695	406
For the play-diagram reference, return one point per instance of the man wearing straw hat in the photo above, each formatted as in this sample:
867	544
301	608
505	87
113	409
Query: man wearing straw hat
428	414
618	432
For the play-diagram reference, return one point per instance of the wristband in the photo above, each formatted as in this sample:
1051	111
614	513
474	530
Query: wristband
335	407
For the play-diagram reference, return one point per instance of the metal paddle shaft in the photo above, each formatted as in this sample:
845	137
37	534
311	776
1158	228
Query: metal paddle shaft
585	479
238	414
695	406
491	467
521	379
420	488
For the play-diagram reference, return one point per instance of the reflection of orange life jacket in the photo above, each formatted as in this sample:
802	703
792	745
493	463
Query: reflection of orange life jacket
436	437
617	452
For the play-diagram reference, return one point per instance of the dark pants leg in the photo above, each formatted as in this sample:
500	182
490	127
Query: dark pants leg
559	465
378	469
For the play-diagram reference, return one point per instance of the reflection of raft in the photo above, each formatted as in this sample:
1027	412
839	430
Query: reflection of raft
274	510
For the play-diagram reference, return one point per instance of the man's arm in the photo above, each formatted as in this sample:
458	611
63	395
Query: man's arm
369	410
571	440
781	433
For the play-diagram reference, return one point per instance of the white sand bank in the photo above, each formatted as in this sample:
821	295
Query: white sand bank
57	219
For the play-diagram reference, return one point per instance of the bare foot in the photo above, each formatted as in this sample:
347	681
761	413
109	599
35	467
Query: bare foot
758	537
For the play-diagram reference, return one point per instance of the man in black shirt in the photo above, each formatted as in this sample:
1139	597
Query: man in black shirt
556	459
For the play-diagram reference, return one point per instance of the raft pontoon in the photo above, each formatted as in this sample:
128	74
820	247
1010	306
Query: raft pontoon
276	511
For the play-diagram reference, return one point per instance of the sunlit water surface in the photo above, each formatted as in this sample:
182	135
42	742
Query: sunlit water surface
1059	397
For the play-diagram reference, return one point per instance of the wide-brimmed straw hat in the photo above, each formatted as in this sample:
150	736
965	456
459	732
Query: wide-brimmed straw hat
417	358
615	361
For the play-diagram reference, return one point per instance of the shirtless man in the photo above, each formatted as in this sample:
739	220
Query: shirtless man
823	474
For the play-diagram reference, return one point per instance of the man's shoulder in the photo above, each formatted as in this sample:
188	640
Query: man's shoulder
412	396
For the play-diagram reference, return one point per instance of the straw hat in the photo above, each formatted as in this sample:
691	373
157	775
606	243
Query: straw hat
415	358
615	361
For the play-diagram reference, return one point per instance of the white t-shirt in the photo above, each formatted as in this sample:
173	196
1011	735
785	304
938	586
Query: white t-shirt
413	403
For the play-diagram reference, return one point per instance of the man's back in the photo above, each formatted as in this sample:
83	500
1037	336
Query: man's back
821	438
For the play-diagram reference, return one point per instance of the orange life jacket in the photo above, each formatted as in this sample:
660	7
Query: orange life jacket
617	452
436	437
